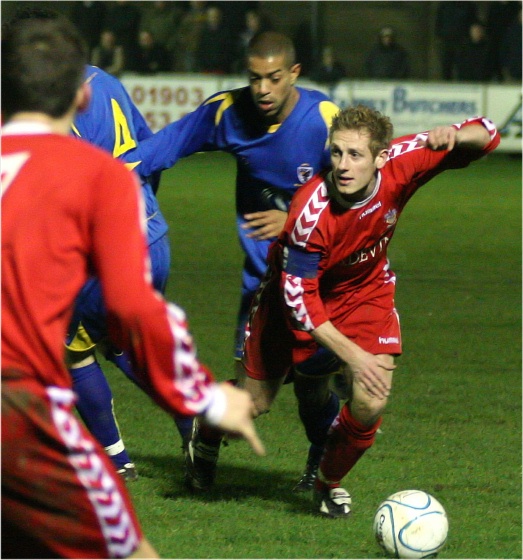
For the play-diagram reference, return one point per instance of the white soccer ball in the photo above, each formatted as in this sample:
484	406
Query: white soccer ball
411	524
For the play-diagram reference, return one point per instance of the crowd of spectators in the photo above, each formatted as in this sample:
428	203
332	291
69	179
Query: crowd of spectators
479	45
474	45
151	37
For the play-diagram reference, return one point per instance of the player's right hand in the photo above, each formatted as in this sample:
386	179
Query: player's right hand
238	417
440	138
264	225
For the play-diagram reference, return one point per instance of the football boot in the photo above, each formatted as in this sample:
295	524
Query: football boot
200	461
332	502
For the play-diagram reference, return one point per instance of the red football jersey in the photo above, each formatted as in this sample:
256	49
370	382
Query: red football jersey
326	252
69	209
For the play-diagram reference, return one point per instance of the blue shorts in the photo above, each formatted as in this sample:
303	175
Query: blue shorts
322	362
90	312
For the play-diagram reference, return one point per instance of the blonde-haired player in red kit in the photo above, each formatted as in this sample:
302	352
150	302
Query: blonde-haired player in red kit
329	292
69	209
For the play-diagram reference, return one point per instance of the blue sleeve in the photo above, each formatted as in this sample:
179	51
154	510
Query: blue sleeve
192	133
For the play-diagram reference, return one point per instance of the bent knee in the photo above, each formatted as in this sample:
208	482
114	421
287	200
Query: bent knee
259	409
262	393
368	411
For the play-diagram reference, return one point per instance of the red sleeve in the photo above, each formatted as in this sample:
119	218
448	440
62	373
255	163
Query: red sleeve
139	320
413	165
302	254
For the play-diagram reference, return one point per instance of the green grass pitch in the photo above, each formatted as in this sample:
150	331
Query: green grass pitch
453	424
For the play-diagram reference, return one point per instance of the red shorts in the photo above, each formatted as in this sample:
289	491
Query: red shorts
61	496
367	316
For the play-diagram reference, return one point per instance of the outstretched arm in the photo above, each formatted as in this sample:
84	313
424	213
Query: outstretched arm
154	332
188	135
474	137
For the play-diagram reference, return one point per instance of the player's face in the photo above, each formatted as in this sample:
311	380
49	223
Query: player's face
353	165
272	86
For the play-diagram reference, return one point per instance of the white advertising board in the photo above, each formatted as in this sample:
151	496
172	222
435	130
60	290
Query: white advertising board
416	107
504	108
165	98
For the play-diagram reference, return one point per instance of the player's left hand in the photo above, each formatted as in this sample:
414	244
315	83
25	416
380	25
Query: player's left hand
266	224
440	138
369	371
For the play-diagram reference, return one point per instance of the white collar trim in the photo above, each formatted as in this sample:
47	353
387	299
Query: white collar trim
26	127
371	195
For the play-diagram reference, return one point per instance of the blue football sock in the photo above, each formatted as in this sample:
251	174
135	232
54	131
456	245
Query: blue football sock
184	426
318	422
95	405
315	453
122	362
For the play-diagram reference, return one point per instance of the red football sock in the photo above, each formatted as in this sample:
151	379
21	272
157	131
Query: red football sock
347	442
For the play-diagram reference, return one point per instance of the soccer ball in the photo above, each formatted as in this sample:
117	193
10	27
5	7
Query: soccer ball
411	524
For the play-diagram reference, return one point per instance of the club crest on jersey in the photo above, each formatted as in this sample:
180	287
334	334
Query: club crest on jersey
391	217
305	172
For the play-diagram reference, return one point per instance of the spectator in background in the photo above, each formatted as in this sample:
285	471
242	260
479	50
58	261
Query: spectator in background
188	36
255	22
453	21
473	56
108	55
234	14
388	59
123	19
162	19
88	18
500	15
510	52
214	52
150	57
329	71
304	43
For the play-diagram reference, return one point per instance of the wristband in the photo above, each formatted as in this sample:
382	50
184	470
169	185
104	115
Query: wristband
217	407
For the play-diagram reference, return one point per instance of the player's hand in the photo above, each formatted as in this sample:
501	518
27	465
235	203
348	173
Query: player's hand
266	224
369	372
440	138
238	417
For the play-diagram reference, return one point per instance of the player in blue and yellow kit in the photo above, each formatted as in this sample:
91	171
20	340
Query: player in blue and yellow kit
113	123
278	133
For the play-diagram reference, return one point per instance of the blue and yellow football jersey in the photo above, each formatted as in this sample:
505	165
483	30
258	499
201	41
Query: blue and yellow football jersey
113	123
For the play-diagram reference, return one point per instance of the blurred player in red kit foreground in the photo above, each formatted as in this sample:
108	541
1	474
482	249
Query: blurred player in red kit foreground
68	210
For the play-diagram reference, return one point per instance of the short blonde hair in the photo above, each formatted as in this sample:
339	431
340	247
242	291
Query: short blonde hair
360	117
